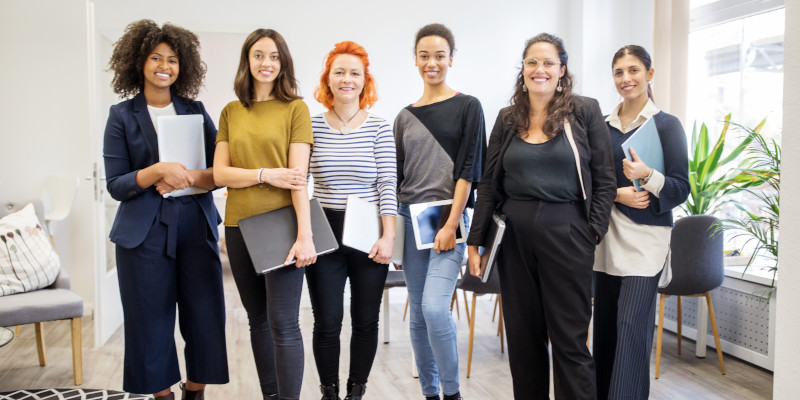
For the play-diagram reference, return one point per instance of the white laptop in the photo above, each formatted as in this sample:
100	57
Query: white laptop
428	218
181	139
362	228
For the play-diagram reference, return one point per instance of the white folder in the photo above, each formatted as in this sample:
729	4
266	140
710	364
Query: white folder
181	139
362	228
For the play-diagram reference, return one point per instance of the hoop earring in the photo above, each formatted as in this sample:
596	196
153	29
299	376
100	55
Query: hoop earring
559	89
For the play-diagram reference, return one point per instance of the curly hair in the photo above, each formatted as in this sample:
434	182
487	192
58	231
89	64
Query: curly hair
559	107
436	30
136	44
640	53
285	86
368	95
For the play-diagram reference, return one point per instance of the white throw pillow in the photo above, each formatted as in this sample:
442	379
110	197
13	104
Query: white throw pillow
27	258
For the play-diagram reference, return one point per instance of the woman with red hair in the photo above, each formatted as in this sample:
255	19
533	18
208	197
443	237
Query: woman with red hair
354	154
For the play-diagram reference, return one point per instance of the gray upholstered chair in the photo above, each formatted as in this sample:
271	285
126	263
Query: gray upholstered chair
697	268
56	302
470	283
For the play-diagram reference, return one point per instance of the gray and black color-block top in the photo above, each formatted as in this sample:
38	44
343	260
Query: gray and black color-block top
438	144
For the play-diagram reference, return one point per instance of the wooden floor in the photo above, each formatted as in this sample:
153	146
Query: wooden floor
682	377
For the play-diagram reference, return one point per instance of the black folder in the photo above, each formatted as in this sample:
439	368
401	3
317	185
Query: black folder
270	236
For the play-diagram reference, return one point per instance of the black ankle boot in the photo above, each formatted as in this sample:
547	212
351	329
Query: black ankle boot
330	392
187	394
432	397
355	391
456	396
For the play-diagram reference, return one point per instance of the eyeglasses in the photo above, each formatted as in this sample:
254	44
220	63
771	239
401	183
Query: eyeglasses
534	63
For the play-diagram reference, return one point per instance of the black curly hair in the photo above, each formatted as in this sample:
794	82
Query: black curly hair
136	44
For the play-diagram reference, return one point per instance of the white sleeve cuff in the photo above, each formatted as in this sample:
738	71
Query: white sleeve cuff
655	184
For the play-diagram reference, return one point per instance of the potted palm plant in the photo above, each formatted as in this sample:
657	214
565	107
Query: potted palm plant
709	181
759	176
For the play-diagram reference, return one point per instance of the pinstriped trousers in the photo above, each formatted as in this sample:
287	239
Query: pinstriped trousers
624	315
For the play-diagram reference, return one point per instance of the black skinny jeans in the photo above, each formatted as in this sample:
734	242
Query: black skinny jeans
326	279
272	302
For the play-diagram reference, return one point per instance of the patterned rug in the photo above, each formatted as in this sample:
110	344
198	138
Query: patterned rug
71	394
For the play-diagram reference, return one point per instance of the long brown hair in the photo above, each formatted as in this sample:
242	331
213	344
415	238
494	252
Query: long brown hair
285	87
559	107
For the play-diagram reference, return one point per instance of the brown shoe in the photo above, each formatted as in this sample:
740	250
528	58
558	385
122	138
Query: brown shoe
170	396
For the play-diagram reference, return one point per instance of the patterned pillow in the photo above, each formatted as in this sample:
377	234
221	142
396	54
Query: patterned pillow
27	258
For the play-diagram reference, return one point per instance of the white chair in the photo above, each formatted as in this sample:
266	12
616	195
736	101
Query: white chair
60	193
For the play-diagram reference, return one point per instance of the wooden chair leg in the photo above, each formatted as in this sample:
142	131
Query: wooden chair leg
716	333
680	324
494	312
77	352
660	332
405	310
40	343
18	330
466	306
500	324
454	299
471	333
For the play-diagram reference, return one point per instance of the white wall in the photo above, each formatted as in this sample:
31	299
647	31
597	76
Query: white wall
787	353
44	107
489	40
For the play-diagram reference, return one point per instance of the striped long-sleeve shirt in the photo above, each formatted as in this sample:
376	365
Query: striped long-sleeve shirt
361	163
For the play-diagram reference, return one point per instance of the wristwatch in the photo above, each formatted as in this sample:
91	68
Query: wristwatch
646	179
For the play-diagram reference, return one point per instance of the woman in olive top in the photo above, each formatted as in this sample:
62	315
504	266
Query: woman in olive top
263	149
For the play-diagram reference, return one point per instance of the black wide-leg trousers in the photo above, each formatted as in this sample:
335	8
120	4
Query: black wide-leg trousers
545	271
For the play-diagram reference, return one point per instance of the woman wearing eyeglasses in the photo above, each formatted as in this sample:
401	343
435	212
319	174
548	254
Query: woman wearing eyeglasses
629	260
549	170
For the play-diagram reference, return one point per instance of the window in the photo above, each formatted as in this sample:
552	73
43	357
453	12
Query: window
736	66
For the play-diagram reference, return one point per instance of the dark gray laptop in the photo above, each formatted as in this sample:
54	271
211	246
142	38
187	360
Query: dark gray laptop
270	236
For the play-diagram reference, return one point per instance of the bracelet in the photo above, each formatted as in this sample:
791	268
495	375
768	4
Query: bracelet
259	175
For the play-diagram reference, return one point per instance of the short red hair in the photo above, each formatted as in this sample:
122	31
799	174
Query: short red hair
323	93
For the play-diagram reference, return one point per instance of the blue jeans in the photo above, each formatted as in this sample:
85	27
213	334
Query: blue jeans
431	279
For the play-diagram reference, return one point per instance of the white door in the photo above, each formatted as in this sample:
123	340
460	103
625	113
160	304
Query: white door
108	308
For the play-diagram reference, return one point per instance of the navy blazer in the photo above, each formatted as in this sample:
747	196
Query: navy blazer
130	144
597	168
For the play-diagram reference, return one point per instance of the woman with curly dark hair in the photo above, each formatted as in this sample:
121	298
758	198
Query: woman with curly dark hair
549	170
166	246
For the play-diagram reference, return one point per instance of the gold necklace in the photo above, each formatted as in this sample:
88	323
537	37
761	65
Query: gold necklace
344	130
